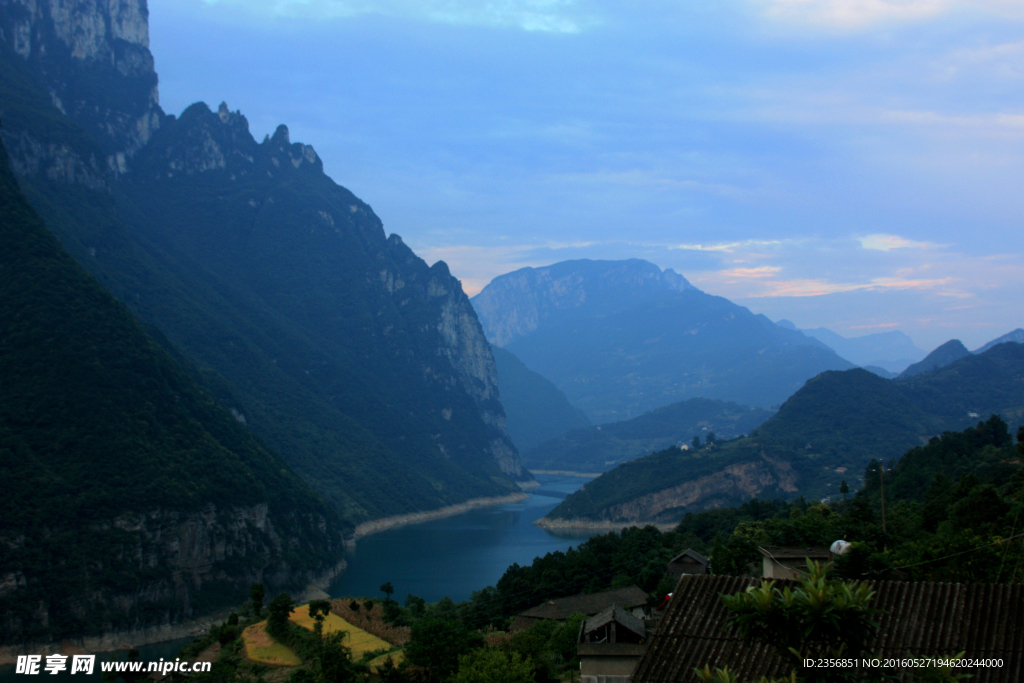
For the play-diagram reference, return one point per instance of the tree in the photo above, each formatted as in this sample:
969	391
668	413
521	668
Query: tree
437	642
696	442
388	590
494	666
278	611
257	594
844	488
711	439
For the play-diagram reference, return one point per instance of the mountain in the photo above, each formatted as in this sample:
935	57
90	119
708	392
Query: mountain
598	449
892	351
944	355
129	498
536	410
365	368
1016	336
825	433
620	338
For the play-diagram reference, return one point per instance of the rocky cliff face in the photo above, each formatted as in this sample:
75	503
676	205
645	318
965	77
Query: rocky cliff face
183	564
92	58
736	483
320	256
518	303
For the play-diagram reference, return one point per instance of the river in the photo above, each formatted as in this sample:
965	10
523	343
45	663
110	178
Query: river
455	556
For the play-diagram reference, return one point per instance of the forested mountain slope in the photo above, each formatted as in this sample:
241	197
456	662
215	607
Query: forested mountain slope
599	448
620	338
536	409
362	366
837	420
128	497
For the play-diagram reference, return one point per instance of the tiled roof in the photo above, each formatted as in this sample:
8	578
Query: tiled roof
619	615
921	620
563	608
692	554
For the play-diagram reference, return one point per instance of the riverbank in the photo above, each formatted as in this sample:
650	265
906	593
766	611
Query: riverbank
567	473
592	525
378	525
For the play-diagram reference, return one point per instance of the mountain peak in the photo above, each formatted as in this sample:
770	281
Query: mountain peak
944	355
567	287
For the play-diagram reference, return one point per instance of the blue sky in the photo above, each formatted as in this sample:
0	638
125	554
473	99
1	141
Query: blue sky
853	164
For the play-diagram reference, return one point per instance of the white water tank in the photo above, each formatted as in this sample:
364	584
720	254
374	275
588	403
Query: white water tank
840	547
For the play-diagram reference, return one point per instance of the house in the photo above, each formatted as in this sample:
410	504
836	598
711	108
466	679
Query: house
688	562
918	620
610	644
790	563
633	599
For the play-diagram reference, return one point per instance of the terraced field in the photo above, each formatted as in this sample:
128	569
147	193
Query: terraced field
357	639
260	647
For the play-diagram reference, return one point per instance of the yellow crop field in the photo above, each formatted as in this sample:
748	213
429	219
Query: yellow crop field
358	640
260	647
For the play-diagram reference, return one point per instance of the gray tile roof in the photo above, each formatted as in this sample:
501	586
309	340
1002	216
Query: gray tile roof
620	616
562	608
921	620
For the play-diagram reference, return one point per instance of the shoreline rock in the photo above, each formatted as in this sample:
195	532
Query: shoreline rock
378	525
568	473
552	524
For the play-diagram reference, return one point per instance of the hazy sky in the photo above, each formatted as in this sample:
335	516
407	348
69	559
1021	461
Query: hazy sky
853	164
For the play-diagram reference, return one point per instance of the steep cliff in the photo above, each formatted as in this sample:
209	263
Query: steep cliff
92	58
128	497
365	368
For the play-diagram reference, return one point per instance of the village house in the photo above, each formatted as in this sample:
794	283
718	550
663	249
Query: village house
632	599
790	563
689	562
610	644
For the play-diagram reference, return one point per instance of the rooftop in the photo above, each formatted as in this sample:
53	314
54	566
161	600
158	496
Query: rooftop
920	620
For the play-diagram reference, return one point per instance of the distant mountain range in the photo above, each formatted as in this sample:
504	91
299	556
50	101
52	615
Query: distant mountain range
620	338
827	432
892	351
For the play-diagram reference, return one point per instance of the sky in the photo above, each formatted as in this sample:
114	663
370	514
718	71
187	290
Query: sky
850	164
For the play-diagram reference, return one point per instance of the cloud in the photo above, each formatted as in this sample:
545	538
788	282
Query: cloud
853	14
890	242
768	286
550	16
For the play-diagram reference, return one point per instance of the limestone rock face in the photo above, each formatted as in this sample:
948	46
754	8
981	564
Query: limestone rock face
189	561
739	481
517	303
73	46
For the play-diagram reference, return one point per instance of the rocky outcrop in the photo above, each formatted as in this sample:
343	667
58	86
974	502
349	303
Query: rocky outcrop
182	564
735	483
82	52
517	303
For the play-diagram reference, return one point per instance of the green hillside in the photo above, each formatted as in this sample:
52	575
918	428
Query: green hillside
598	449
104	440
